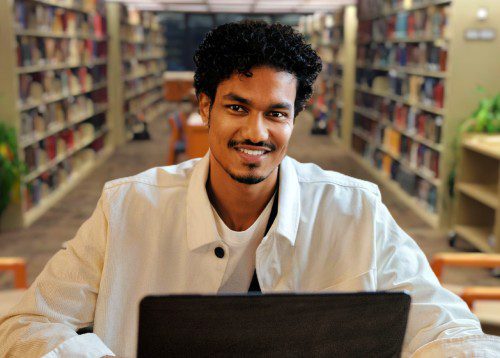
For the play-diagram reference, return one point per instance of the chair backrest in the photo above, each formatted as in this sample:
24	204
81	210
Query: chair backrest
468	259
175	133
17	265
175	137
196	141
463	259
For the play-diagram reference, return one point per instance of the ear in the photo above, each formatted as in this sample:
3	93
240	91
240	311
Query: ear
204	103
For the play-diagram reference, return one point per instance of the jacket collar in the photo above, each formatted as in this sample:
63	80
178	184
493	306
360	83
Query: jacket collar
201	227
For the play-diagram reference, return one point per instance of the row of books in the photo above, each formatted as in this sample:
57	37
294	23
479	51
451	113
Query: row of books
88	6
335	122
323	99
156	109
49	85
54	146
329	69
431	22
332	29
337	93
424	191
147	20
132	69
325	53
140	34
58	115
406	150
147	115
136	123
140	85
45	18
325	30
32	51
398	5
424	56
332	35
333	69
415	89
49	181
140	103
368	9
408	119
130	50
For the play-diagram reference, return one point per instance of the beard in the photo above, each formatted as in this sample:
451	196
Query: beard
246	179
249	179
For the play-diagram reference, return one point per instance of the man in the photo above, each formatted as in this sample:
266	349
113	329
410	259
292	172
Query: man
205	226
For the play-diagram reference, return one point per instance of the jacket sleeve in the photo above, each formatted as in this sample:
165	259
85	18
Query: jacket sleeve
435	313
61	300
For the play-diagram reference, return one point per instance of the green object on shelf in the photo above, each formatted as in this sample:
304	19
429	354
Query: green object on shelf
11	168
486	118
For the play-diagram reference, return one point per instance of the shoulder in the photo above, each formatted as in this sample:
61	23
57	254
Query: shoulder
158	177
309	174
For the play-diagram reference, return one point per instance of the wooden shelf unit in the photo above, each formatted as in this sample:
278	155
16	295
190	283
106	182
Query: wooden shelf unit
60	66
99	124
394	108
139	48
333	37
477	211
55	99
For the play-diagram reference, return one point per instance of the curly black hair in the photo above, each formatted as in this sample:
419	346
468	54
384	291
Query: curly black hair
237	47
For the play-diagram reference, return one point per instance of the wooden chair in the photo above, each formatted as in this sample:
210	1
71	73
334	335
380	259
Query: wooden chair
17	266
196	141
483	301
177	144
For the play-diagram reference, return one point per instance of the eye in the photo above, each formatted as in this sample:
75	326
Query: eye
278	114
236	108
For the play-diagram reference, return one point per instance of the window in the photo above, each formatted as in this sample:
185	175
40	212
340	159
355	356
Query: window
185	31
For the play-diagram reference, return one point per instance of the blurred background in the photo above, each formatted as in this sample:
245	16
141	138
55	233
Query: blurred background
409	98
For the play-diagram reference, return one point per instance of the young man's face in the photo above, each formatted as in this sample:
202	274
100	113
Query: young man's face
251	122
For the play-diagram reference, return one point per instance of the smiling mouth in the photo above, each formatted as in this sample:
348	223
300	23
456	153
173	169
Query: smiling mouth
256	153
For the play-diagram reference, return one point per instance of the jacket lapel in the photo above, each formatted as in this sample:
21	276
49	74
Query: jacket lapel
274	255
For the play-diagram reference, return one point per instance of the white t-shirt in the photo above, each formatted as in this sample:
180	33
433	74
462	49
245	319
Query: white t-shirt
242	246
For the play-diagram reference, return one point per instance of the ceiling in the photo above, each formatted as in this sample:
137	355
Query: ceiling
238	6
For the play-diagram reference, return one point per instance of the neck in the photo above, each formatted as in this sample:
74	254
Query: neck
238	204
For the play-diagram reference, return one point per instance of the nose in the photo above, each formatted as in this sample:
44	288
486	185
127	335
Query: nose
255	128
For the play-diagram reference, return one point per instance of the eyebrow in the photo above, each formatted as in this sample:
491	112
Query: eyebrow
235	97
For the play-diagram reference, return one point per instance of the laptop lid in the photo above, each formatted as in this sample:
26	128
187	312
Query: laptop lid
273	325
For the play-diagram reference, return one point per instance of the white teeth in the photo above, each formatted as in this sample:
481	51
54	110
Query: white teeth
252	152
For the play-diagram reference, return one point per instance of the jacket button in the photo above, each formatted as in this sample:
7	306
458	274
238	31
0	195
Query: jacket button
219	252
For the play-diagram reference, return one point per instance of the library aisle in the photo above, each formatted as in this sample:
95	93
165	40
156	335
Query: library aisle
408	97
62	221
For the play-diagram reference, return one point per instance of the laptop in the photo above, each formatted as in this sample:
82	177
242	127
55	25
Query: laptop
273	325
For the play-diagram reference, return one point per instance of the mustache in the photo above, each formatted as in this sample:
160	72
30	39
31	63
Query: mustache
233	143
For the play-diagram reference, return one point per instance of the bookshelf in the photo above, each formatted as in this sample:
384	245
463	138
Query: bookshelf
477	218
345	72
319	31
85	77
53	90
332	35
312	26
416	81
142	56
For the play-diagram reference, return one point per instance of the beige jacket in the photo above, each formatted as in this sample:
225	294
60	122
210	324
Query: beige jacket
154	233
